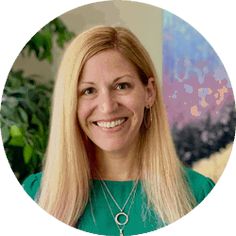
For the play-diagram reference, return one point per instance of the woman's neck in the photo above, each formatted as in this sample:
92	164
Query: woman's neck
117	166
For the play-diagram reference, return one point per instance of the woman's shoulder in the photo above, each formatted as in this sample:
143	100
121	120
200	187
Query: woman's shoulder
199	184
31	184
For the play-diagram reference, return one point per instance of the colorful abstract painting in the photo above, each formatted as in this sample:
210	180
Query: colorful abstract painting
195	82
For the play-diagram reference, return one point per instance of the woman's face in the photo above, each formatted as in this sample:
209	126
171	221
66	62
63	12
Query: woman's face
112	99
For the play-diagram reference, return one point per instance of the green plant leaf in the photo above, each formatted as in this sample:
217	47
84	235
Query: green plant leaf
15	131
12	102
5	133
23	115
41	44
17	141
27	153
36	121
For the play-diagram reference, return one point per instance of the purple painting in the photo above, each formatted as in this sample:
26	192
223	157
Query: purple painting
195	82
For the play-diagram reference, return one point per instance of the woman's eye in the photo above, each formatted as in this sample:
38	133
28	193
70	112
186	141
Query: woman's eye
88	91
122	86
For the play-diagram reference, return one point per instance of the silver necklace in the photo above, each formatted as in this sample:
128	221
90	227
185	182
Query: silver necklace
120	224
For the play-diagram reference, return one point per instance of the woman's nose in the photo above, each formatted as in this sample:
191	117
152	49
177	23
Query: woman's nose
107	102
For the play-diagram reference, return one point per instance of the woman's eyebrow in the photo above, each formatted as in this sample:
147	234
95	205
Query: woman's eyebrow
87	82
121	77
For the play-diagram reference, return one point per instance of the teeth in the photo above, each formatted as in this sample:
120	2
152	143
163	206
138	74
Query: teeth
110	124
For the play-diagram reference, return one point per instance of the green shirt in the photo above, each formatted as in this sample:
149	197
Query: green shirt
97	217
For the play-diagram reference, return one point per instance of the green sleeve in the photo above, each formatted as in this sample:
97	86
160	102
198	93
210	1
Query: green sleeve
200	185
31	185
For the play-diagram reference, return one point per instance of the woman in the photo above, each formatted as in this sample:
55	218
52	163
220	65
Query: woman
111	166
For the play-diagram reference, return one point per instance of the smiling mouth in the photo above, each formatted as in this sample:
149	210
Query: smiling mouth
110	124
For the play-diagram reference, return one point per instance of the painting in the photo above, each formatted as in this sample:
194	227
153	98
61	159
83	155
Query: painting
198	96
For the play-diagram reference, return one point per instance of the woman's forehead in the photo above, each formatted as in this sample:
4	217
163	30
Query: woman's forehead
108	63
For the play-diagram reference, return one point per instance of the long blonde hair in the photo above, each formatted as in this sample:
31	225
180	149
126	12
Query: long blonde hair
65	185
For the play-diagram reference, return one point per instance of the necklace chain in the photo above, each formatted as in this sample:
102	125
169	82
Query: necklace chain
113	199
119	226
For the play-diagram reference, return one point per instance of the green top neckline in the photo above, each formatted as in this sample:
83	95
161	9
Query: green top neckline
97	218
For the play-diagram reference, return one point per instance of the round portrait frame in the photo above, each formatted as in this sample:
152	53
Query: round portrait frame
17	209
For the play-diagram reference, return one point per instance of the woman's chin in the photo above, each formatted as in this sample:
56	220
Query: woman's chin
115	148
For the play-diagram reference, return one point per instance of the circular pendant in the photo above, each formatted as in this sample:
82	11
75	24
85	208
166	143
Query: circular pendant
117	218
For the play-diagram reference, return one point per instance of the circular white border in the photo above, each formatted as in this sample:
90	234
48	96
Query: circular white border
20	20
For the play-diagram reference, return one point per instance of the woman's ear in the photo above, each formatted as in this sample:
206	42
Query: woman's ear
150	92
